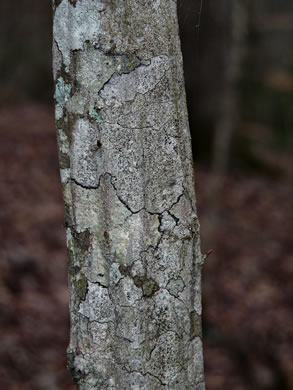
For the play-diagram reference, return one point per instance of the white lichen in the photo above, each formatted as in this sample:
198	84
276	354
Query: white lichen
80	23
98	305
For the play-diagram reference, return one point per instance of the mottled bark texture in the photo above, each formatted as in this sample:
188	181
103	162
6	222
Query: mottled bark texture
126	170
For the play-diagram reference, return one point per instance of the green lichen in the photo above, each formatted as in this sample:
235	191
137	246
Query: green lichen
149	288
127	63
67	209
94	115
82	240
68	125
71	265
81	286
64	160
195	321
62	91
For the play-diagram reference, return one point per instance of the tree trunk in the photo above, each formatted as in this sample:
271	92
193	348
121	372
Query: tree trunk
126	170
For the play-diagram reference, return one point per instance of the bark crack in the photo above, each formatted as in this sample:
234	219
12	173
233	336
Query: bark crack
86	187
144	374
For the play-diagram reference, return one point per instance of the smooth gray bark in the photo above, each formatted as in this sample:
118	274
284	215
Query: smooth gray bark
127	175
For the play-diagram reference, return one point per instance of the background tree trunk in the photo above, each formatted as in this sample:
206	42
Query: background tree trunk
231	54
126	169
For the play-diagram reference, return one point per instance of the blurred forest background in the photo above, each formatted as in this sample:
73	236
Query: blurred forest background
239	77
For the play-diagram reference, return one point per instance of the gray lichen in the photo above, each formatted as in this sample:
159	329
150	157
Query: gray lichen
126	171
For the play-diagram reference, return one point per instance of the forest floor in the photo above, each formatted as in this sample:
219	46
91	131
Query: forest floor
247	281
